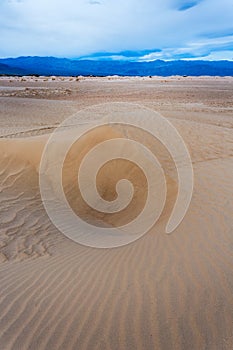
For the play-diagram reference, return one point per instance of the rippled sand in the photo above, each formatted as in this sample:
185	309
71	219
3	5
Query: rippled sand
160	292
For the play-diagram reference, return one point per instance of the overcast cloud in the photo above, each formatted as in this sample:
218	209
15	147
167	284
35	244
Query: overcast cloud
127	29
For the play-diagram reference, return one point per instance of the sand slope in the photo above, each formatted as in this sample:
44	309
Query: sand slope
161	292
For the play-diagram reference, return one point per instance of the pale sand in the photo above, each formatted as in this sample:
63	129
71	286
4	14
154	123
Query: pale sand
160	292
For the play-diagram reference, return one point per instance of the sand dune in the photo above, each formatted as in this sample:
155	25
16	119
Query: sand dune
160	292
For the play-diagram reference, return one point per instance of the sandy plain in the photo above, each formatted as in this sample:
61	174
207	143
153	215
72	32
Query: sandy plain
160	292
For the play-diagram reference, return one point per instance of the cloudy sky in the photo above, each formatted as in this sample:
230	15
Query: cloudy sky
140	30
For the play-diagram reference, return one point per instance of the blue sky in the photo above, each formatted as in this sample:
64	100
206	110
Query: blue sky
137	30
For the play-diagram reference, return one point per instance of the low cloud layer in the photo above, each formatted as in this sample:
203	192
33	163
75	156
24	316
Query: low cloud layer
109	29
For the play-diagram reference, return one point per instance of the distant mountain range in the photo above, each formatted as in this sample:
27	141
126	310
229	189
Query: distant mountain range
66	67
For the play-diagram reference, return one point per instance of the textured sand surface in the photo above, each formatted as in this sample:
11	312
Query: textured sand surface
160	292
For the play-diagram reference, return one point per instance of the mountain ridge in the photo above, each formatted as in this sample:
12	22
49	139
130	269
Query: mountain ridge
29	65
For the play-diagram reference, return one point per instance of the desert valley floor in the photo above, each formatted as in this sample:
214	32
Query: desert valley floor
162	292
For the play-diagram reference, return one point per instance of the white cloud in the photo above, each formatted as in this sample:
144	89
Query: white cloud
75	28
211	48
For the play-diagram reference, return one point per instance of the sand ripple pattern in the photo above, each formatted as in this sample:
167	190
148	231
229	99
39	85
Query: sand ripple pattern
162	292
24	231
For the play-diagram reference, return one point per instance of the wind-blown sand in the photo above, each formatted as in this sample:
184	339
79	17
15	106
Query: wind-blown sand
160	292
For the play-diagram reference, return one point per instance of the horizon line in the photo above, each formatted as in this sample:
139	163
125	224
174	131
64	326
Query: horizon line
110	59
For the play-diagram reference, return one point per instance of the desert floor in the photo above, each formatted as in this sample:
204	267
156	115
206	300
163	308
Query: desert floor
168	292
